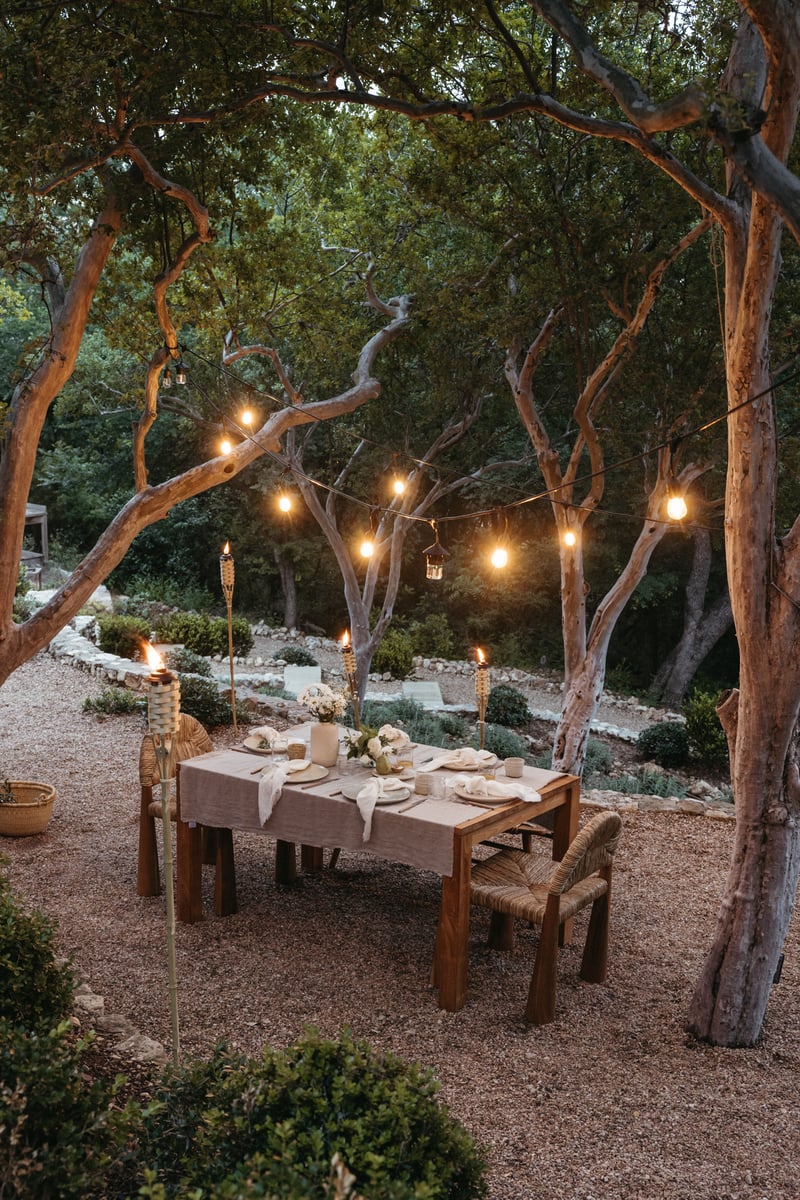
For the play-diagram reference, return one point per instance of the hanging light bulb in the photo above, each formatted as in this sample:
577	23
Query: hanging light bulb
367	548
398	485
166	378
180	373
246	417
435	556
570	538
499	557
225	446
285	502
676	506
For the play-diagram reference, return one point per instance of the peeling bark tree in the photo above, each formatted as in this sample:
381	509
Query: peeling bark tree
586	649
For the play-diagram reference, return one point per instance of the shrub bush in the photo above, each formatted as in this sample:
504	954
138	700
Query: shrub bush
646	783
507	706
297	656
114	702
454	726
432	637
504	742
204	634
35	991
271	1126
186	662
201	699
666	743
598	758
707	739
59	1133
395	654
122	635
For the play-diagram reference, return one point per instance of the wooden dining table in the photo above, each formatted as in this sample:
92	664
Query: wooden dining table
219	791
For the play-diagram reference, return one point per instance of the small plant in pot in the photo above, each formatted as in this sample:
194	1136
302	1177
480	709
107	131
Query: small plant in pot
25	807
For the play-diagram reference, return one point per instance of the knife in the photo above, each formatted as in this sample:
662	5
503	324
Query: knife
413	804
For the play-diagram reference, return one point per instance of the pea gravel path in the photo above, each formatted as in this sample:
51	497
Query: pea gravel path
611	1100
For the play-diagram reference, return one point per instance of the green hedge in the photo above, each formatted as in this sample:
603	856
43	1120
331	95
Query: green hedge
204	634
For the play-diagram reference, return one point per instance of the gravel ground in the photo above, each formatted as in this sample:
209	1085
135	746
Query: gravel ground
612	1099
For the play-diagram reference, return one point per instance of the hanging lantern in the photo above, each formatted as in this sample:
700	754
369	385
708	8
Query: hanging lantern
166	378
180	373
435	556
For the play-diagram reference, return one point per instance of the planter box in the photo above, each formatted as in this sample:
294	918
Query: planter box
31	810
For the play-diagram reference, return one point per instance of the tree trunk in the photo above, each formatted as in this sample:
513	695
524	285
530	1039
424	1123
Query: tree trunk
702	627
285	565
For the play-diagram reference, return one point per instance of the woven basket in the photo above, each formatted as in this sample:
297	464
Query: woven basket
31	810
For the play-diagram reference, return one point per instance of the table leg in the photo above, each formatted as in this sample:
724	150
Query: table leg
311	859
224	874
285	862
452	937
188	864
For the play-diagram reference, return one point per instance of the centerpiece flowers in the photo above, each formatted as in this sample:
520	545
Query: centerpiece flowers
377	747
324	703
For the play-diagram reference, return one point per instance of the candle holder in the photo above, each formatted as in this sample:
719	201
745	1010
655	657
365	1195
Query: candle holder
163	722
349	663
482	696
227	573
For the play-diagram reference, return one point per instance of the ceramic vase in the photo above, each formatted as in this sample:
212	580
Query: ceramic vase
324	743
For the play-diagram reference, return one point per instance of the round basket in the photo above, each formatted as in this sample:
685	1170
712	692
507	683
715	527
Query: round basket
31	810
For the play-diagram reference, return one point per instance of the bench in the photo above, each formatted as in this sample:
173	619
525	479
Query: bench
424	692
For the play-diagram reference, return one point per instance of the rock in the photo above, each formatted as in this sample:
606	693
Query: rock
687	805
142	1049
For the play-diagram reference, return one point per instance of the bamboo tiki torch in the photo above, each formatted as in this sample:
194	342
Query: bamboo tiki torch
227	573
349	661
163	722
481	692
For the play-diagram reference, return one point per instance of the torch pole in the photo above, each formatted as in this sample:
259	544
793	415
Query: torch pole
349	661
481	697
227	574
163	708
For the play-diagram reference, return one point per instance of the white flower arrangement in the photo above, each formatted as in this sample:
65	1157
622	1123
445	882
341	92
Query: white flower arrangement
323	702
376	747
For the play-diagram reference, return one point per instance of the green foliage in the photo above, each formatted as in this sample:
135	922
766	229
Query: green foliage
598	758
187	662
666	744
204	634
395	654
23	606
272	1126
122	635
706	736
59	1133
507	706
433	636
114	702
401	711
201	699
298	656
504	742
35	992
644	781
144	591
453	726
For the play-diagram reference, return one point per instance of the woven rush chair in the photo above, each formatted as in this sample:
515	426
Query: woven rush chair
514	883
190	740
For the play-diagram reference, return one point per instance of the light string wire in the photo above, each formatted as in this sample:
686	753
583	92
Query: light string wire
790	372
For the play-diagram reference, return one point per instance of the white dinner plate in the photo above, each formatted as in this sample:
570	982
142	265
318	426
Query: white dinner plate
353	787
253	744
309	773
483	801
487	765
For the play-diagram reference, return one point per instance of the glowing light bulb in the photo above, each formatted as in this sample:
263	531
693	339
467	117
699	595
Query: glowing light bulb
398	486
570	538
247	417
285	503
499	557
367	548
676	508
225	446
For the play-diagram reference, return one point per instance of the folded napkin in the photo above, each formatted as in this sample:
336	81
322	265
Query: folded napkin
493	789
270	785
268	735
464	758
369	796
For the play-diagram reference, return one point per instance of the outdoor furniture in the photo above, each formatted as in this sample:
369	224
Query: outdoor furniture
190	740
513	884
36	514
221	789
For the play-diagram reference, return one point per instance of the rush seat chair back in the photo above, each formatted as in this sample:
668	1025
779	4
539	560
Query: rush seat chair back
514	883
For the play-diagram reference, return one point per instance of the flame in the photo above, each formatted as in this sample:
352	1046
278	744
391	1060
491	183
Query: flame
226	549
154	660
345	639
480	655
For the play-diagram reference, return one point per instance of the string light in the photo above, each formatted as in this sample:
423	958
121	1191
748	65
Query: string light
570	538
166	378
225	446
499	556
285	502
367	548
676	507
247	417
180	373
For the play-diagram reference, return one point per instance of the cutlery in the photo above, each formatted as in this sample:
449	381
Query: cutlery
413	804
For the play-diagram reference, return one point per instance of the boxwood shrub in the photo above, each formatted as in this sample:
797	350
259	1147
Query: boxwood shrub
507	706
232	1126
204	634
666	744
122	635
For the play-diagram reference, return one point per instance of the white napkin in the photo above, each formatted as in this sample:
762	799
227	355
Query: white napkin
267	734
493	789
369	795
270	785
464	757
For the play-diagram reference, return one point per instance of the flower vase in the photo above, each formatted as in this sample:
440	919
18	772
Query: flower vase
324	743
